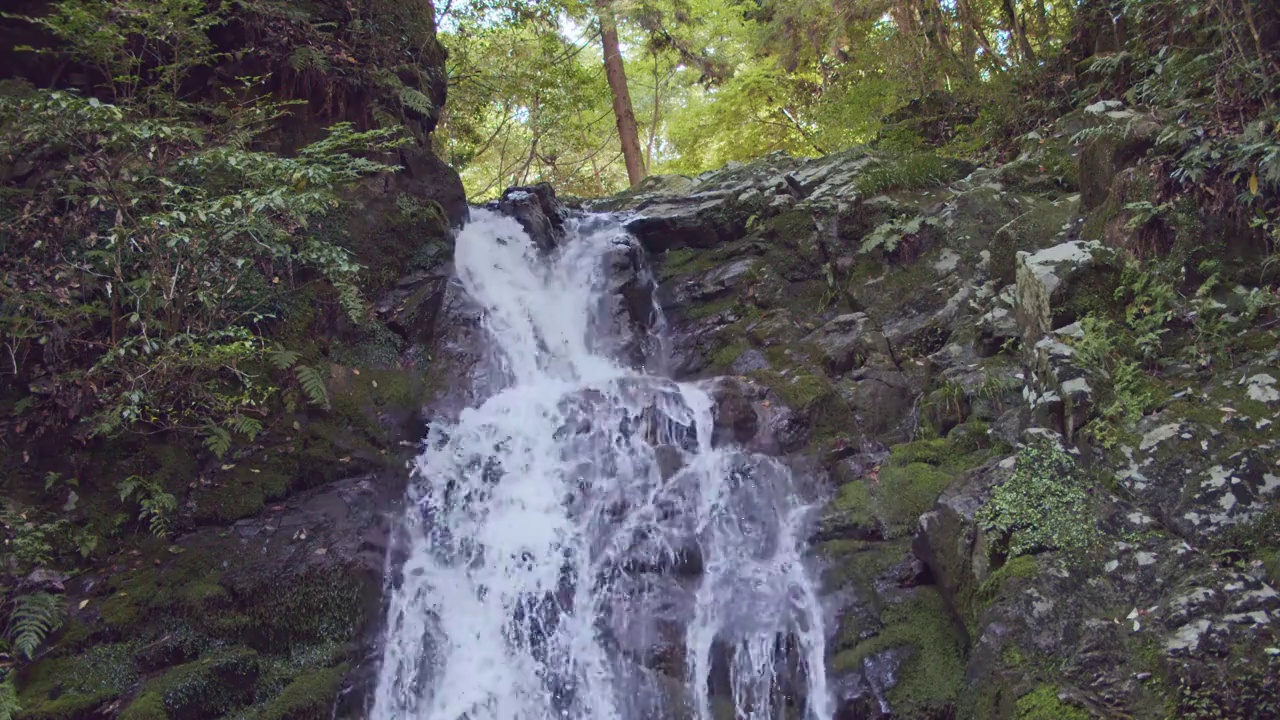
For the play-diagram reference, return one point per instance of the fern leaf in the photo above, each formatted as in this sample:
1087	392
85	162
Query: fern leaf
352	301
34	617
313	385
283	359
218	440
245	426
417	102
9	707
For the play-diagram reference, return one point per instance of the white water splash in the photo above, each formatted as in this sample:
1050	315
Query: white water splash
579	549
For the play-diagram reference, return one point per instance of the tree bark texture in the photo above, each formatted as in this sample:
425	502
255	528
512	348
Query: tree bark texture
617	76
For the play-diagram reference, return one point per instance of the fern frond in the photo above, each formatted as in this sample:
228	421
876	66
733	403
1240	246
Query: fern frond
34	616
416	101
312	385
9	707
217	439
245	426
283	359
352	301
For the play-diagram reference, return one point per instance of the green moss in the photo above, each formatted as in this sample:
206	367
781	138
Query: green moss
320	606
702	311
1022	566
147	706
236	496
309	697
723	359
208	687
933	675
1011	656
71	687
933	452
905	492
798	390
853	502
858	564
172	466
1043	704
685	261
1094	294
372	346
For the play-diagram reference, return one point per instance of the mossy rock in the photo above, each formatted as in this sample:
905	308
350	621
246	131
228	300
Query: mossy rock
321	605
241	491
310	696
860	566
1037	229
1043	703
64	688
905	492
932	676
917	473
206	688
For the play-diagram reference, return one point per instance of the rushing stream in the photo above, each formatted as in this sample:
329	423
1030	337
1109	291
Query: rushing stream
578	549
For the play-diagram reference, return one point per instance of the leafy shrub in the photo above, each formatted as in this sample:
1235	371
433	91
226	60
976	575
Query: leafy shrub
1042	506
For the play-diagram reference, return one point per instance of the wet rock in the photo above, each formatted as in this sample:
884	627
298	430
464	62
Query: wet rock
850	341
537	211
629	309
670	460
734	416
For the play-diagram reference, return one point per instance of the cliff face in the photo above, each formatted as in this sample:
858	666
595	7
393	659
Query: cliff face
1054	484
262	600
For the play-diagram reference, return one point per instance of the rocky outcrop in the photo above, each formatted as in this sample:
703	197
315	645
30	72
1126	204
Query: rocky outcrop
923	331
537	211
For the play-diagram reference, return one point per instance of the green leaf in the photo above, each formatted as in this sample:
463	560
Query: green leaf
9	707
218	440
283	359
33	618
246	426
312	385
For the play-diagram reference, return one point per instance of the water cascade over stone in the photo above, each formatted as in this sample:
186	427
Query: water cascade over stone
577	547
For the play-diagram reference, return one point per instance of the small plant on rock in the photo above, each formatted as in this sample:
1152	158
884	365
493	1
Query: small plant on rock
1042	505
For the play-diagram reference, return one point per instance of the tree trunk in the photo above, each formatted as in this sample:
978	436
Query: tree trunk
614	71
1019	31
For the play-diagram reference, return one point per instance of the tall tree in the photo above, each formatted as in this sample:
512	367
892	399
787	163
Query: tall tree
617	76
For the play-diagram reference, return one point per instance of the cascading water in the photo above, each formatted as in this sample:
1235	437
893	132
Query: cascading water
578	549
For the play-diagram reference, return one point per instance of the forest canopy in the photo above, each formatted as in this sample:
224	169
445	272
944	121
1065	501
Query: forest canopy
714	81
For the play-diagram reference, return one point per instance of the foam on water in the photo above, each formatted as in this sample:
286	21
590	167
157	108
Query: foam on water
553	528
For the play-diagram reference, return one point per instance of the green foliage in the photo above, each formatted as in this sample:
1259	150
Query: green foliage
1042	506
312	384
166	219
32	618
887	236
105	36
9	707
155	506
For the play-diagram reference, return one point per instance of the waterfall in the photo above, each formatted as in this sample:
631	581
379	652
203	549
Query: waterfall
577	547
